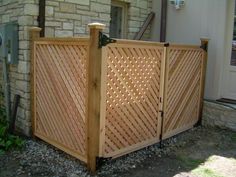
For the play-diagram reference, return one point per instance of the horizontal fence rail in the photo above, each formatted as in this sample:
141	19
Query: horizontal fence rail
94	99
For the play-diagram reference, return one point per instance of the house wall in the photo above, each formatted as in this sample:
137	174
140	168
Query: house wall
70	17
197	19
63	18
17	10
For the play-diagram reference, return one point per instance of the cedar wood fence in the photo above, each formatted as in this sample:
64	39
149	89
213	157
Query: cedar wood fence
96	101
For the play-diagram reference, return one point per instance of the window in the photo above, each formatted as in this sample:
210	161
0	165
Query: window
118	19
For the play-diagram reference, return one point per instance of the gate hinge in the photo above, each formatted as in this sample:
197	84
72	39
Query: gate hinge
204	47
166	44
104	40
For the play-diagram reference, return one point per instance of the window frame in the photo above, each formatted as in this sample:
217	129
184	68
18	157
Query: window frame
124	19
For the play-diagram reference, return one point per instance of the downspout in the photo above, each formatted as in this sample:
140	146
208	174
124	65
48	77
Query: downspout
6	89
41	17
164	4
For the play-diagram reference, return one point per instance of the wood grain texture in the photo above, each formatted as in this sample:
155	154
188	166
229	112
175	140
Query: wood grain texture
34	35
94	96
133	90
92	102
60	86
183	85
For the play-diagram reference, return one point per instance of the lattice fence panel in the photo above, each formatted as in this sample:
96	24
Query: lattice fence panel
183	89
60	71
133	84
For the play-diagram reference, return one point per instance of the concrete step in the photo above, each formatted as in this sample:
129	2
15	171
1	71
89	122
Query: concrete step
219	114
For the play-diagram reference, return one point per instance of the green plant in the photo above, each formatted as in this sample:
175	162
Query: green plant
7	141
233	137
190	162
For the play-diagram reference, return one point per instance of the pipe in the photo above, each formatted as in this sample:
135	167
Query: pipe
41	17
6	88
16	103
164	4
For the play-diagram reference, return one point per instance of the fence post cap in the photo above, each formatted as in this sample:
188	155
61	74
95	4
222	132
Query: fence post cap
96	25
35	29
205	39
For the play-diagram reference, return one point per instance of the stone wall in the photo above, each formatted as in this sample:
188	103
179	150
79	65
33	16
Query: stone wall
63	18
17	10
215	114
70	17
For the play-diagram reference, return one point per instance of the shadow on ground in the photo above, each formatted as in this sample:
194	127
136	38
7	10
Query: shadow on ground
203	152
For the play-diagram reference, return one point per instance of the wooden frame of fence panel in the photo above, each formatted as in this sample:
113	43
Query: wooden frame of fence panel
103	101
132	51
204	43
72	56
129	86
34	34
162	92
178	61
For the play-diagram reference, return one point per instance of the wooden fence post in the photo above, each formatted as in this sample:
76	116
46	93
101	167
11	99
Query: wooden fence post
34	33
204	46
94	95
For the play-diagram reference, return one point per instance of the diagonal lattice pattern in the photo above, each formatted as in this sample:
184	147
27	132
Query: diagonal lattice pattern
133	84
183	87
61	92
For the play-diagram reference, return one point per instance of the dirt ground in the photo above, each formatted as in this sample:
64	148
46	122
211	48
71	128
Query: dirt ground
200	152
204	153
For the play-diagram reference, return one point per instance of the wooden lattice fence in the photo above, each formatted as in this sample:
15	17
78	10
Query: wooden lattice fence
96	101
183	83
60	90
132	96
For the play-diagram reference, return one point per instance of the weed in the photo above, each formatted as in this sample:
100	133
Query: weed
190	162
7	141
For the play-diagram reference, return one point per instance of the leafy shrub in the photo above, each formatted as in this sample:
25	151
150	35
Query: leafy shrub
7	141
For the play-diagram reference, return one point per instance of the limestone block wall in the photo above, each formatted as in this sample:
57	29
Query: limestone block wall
70	17
18	10
63	18
215	114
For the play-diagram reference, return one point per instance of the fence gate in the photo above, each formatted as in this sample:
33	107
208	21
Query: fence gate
96	101
133	82
183	84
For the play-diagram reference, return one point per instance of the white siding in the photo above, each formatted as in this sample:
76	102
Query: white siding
200	18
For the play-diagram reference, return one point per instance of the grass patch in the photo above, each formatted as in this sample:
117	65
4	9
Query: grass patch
190	163
233	137
205	172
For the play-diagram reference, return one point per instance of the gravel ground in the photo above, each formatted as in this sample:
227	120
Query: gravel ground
40	159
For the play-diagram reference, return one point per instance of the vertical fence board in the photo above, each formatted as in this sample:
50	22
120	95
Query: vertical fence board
34	35
94	94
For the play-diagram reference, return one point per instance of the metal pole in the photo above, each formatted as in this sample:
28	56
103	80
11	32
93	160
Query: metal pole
6	88
164	4
41	17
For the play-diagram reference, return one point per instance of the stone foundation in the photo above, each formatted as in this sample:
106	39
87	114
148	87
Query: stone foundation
217	114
